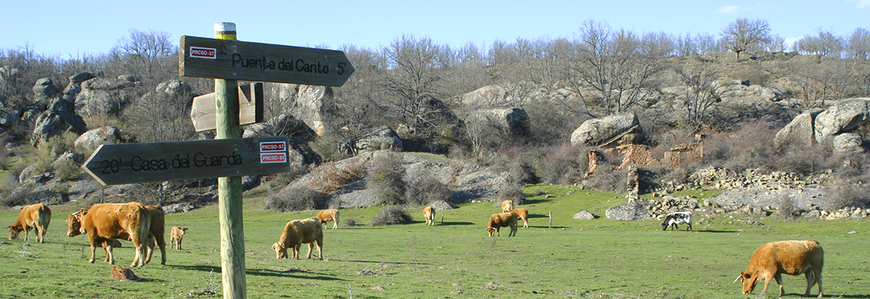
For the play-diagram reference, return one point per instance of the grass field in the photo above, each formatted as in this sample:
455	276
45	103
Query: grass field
454	259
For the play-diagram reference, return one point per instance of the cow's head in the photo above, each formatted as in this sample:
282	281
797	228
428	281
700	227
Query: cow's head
490	230
13	232
748	282
74	223
280	250
665	224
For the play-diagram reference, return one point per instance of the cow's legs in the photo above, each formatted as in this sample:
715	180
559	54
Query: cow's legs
778	278
310	249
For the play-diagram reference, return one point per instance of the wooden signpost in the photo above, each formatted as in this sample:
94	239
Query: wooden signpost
228	156
230	59
113	164
202	112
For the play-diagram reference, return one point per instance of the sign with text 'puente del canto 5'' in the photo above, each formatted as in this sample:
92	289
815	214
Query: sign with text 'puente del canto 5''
235	60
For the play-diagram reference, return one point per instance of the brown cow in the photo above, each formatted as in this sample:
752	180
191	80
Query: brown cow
35	216
789	257
328	215
156	234
175	236
523	215
158	228
497	221
109	221
429	213
507	205
297	232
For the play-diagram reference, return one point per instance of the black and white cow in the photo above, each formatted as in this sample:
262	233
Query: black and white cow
675	218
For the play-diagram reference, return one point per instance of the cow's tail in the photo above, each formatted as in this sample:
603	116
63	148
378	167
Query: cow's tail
142	231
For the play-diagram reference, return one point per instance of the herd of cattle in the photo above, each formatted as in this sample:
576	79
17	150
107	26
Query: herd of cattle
144	226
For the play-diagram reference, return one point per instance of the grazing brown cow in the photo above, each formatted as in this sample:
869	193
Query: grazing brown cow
110	221
175	236
156	234
35	216
328	215
429	213
507	205
497	221
297	232
523	215
789	257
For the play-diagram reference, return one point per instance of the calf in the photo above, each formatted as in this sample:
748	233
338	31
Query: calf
175	236
297	232
327	215
35	216
523	215
507	205
429	213
497	221
672	219
789	257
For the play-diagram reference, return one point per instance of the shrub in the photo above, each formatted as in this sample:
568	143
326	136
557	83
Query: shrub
514	193
391	216
297	199
428	190
561	164
386	178
787	208
608	180
351	222
329	177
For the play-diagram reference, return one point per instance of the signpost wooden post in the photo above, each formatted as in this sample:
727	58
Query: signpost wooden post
228	60
230	188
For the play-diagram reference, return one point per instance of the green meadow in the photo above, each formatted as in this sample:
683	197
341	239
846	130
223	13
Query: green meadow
557	257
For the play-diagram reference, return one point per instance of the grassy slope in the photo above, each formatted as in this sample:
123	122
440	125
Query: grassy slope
593	258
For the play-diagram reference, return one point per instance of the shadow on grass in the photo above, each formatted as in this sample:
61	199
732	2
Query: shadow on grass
716	231
454	223
262	272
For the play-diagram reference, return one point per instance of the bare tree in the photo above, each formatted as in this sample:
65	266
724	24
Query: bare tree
699	94
858	45
612	65
744	34
412	82
825	43
148	55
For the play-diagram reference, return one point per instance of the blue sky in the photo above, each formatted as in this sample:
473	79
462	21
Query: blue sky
66	29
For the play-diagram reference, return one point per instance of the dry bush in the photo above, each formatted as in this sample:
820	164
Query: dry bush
391	216
608	180
804	160
514	164
749	147
428	190
297	199
351	222
787	208
386	177
514	193
561	164
328	177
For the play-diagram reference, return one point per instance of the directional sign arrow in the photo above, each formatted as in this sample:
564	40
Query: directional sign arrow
202	112
113	164
236	60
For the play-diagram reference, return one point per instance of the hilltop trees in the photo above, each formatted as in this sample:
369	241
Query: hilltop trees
612	64
744	34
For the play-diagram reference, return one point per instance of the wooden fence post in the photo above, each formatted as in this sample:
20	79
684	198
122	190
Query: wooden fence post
230	188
